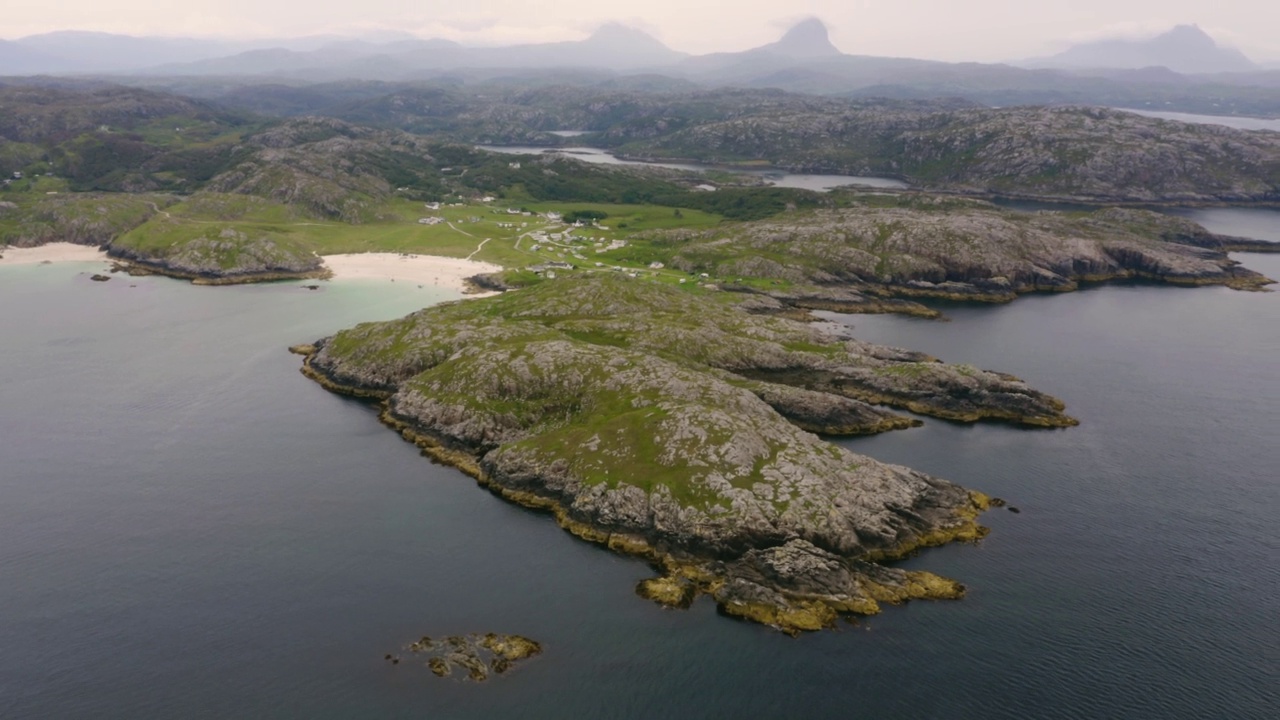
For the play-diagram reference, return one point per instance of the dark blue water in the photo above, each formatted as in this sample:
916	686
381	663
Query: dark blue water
190	528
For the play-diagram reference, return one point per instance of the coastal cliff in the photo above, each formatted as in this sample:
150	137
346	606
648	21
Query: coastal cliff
665	424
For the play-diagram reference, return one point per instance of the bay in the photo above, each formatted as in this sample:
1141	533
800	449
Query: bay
190	528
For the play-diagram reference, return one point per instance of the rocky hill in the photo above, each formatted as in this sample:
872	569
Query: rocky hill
660	423
951	248
1072	153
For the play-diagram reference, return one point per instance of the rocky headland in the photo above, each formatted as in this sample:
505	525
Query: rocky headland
878	253
668	425
222	256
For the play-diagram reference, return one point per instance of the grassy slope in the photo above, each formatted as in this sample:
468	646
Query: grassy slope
396	229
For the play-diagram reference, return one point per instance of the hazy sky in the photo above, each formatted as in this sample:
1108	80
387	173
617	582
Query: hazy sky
983	30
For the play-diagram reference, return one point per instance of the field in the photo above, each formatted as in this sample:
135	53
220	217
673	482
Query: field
514	237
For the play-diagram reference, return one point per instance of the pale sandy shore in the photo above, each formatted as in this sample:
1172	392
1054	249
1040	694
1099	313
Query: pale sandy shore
425	270
53	252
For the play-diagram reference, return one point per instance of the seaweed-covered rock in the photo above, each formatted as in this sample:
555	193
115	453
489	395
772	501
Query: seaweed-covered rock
477	655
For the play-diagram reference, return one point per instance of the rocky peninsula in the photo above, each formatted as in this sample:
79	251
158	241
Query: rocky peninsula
222	256
877	253
667	424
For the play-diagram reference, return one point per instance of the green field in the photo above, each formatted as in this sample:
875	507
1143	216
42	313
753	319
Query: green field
482	231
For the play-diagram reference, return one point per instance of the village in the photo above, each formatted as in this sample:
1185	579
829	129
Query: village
548	233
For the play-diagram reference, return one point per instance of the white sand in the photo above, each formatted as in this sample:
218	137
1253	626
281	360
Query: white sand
425	270
53	252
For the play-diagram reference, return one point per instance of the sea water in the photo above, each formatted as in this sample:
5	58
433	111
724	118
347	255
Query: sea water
190	528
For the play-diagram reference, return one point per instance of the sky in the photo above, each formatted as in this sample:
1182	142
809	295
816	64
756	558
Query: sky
952	30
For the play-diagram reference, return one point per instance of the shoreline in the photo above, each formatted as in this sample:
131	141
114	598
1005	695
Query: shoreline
424	270
52	253
684	575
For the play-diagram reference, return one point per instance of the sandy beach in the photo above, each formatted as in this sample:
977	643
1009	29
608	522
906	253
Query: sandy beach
425	270
53	252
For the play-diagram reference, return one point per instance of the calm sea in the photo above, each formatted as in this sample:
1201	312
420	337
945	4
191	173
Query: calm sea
189	528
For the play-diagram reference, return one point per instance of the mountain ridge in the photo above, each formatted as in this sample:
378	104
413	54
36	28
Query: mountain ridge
1183	49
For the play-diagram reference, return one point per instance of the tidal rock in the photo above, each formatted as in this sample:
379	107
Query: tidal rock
478	655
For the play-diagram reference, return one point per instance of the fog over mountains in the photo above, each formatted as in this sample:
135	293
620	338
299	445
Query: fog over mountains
1184	49
1183	69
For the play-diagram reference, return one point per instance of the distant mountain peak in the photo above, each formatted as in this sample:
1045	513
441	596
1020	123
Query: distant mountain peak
1191	31
615	32
806	39
1182	48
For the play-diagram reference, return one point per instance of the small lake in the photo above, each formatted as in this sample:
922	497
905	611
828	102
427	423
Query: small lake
777	178
1254	223
1231	121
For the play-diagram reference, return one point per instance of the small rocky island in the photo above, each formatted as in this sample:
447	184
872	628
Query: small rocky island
677	426
478	656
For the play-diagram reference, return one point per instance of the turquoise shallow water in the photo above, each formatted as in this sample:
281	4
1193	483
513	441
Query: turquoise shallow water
190	528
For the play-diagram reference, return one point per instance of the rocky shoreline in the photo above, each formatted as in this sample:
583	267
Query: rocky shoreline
795	587
884	253
557	399
251	265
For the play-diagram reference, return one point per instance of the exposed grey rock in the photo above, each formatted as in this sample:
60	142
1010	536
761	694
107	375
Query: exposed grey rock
593	398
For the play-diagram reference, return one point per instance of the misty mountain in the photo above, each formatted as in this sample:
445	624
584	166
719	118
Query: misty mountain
803	59
67	52
74	51
18	60
807	39
611	47
1184	49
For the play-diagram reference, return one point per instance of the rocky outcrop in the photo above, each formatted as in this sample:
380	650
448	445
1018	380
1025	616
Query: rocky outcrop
223	257
627	410
1082	154
921	246
81	218
479	656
